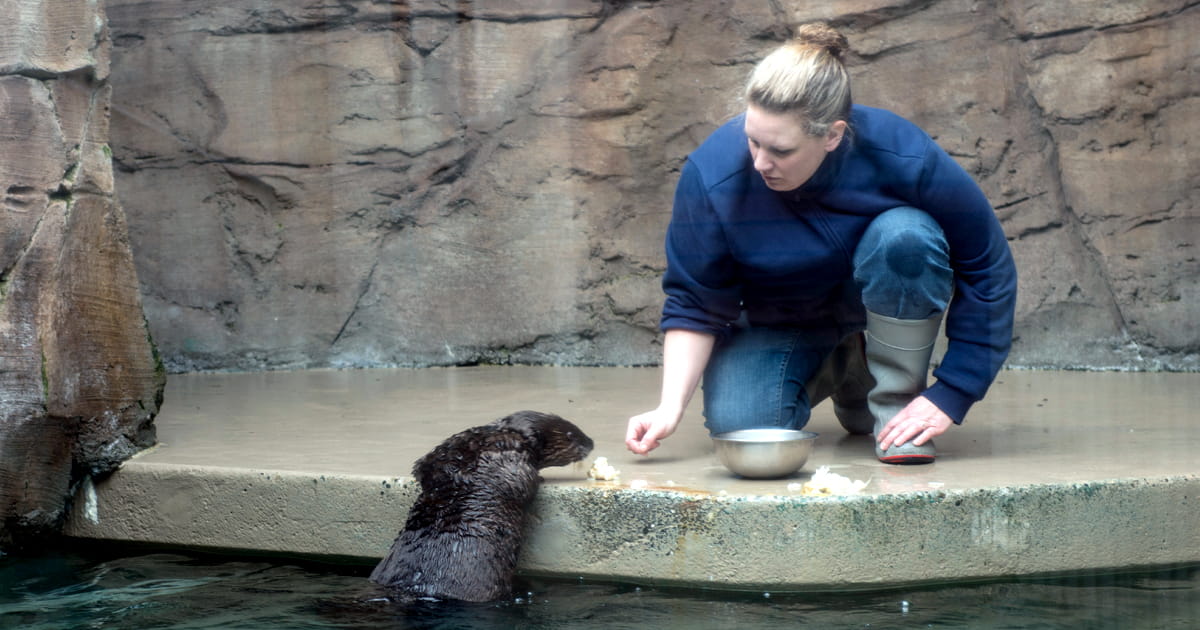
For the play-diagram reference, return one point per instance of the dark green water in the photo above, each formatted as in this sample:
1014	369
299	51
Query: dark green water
168	590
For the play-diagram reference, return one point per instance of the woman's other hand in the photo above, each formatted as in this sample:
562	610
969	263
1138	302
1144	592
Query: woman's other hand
920	422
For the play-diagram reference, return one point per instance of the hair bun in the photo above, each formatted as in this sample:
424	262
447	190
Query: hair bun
823	36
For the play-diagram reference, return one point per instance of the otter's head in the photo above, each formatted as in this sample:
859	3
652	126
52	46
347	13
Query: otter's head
556	441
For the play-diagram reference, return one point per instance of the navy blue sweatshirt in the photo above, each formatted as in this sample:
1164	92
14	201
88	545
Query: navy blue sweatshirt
785	257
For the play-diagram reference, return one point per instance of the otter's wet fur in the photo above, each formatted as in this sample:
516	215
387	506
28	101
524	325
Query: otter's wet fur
465	530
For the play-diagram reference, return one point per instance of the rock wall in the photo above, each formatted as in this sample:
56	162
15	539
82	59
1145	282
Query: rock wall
431	182
79	381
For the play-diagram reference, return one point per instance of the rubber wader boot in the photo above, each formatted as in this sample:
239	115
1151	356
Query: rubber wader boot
898	352
843	376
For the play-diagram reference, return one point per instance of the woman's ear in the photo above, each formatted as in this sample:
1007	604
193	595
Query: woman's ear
834	137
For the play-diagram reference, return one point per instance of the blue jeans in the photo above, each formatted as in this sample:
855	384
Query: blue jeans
756	376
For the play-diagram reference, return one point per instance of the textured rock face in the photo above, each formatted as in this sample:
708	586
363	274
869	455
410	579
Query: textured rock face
419	183
79	382
1123	110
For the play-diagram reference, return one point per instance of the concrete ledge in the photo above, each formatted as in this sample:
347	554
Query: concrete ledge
339	517
781	543
663	536
1054	473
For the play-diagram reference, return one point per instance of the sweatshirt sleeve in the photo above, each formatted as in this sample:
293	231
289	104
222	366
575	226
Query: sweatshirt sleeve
703	294
979	321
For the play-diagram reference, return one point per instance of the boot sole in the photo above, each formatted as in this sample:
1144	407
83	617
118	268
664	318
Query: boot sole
907	459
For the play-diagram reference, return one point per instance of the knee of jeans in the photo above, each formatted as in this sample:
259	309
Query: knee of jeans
907	253
905	242
726	418
717	422
901	217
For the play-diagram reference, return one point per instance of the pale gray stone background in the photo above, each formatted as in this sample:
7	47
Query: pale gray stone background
366	183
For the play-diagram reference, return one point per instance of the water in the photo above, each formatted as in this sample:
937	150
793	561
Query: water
72	590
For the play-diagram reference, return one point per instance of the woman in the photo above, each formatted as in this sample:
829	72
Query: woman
805	221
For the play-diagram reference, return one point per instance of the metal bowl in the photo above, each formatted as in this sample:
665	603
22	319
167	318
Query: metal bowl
764	453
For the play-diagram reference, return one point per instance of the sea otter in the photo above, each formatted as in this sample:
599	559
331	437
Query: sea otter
465	530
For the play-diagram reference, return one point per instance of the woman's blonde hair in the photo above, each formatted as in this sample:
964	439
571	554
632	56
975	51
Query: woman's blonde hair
805	77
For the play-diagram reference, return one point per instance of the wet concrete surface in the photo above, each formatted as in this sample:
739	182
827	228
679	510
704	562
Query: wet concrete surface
1039	449
1034	427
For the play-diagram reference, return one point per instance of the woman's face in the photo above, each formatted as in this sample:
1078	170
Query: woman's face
783	153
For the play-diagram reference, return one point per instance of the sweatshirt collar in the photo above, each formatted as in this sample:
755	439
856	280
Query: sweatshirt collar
826	176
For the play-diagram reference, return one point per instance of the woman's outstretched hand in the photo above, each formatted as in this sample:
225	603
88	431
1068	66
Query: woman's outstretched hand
685	353
648	429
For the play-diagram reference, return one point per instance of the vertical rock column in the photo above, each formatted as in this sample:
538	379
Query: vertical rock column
80	382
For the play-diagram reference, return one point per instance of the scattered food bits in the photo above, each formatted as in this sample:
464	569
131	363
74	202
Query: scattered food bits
825	484
603	471
638	484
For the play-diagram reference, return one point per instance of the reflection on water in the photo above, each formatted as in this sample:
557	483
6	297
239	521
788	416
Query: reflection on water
167	590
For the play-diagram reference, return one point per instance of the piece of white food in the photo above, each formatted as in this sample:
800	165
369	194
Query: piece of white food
603	471
825	484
